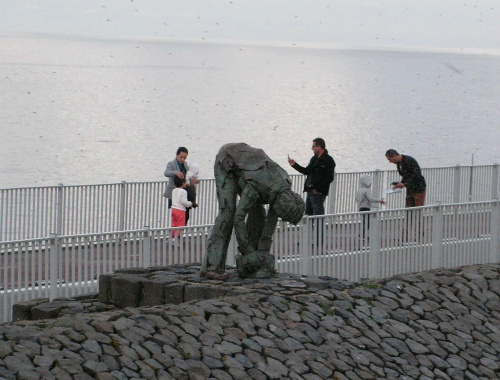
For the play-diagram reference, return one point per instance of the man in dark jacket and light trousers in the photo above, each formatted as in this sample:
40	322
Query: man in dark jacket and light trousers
412	177
319	172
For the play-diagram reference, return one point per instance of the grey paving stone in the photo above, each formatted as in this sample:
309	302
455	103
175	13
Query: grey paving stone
320	369
111	362
44	373
92	346
43	361
69	366
127	362
294	344
123	323
60	374
256	374
130	374
272	368
213	363
227	348
145	371
415	347
221	375
105	376
93	367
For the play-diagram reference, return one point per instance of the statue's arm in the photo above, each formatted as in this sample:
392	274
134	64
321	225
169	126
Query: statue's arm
267	234
248	198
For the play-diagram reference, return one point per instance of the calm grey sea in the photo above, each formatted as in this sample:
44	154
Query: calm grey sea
82	111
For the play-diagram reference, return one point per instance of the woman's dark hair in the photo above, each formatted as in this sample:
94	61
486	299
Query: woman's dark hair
181	149
179	181
320	142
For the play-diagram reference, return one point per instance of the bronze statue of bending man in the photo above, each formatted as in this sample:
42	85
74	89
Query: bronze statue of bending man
248	172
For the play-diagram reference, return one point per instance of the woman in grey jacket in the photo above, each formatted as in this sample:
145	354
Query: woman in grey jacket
177	167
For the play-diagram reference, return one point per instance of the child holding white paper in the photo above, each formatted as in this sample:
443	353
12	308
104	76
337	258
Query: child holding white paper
365	199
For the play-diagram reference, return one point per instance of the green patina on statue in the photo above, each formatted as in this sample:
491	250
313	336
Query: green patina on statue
248	172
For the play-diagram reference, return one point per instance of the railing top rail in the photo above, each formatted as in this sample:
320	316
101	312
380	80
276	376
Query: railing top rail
209	179
185	227
30	187
20	241
374	210
95	234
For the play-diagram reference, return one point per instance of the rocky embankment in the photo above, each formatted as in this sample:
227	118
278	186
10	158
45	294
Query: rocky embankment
442	324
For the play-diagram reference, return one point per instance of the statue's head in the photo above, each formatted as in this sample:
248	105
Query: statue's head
289	206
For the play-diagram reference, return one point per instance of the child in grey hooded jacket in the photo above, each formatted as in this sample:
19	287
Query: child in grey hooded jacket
365	199
364	196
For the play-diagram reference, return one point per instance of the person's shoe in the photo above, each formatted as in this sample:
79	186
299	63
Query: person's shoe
175	242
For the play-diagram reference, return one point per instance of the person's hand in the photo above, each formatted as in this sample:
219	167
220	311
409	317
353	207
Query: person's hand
180	174
382	202
194	205
291	161
314	191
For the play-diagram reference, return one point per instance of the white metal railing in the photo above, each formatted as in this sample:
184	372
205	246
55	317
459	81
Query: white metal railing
65	266
36	212
397	241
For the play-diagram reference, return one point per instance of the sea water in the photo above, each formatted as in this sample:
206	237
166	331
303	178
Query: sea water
86	111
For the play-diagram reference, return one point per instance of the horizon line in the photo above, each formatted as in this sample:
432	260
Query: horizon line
265	43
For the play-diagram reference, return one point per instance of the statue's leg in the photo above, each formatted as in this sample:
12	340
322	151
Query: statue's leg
255	225
227	190
259	263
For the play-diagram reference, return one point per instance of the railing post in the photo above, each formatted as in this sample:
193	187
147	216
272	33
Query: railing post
54	255
333	197
437	237
494	181
59	209
376	184
121	212
374	258
305	247
2	212
495	232
471	180
457	177
146	248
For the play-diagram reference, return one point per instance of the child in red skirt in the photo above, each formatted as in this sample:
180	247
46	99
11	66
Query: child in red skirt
179	204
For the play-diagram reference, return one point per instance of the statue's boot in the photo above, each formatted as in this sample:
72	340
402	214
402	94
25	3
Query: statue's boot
257	264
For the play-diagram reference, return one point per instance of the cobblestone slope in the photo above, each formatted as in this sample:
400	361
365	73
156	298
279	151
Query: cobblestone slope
442	324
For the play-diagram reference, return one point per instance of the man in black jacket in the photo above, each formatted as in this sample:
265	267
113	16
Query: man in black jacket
412	178
319	172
